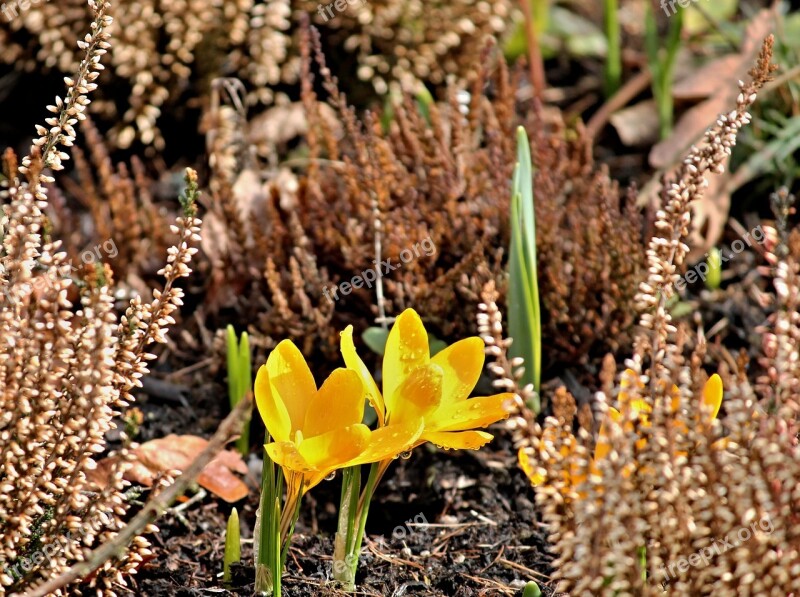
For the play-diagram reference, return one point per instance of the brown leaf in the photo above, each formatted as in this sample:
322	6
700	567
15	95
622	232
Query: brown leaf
177	452
710	78
637	125
716	81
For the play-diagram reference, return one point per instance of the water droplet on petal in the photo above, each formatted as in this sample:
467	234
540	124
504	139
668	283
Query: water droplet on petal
330	476
406	455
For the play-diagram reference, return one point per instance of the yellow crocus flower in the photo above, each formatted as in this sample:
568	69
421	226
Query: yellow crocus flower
434	390
317	431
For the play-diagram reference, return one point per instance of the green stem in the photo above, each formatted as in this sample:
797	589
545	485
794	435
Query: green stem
345	534
376	472
268	562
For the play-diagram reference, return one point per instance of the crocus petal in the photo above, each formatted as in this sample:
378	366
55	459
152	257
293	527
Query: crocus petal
354	362
335	448
603	446
712	394
418	396
469	414
458	440
533	474
462	364
406	350
272	410
291	381
338	403
287	456
389	442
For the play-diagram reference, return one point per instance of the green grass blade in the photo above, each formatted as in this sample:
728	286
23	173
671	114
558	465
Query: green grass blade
612	72
524	316
232	359
244	375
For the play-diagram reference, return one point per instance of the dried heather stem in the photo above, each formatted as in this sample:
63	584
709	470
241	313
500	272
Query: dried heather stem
667	248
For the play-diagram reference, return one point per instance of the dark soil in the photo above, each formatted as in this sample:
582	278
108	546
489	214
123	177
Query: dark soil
442	523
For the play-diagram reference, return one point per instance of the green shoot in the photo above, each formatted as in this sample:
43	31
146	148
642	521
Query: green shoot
531	590
662	64
233	546
240	380
541	14
714	276
524	314
643	561
612	71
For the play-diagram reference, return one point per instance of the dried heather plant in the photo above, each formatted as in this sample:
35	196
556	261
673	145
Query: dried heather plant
284	242
67	369
669	503
168	52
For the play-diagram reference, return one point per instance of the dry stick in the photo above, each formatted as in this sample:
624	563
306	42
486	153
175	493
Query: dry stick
157	506
378	270
620	99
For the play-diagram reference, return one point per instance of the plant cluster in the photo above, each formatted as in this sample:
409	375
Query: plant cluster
314	432
438	171
169	52
666	483
68	364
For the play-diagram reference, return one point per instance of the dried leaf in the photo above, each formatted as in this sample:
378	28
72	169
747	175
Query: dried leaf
719	87
177	452
637	125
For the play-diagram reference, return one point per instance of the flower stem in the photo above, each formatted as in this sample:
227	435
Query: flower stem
268	547
345	535
376	472
295	489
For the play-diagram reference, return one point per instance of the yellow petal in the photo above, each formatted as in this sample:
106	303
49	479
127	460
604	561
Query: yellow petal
338	403
712	394
627	376
676	399
406	350
354	362
271	408
291	381
527	467
287	456
462	364
389	442
470	414
334	449
603	446
458	440
418	396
